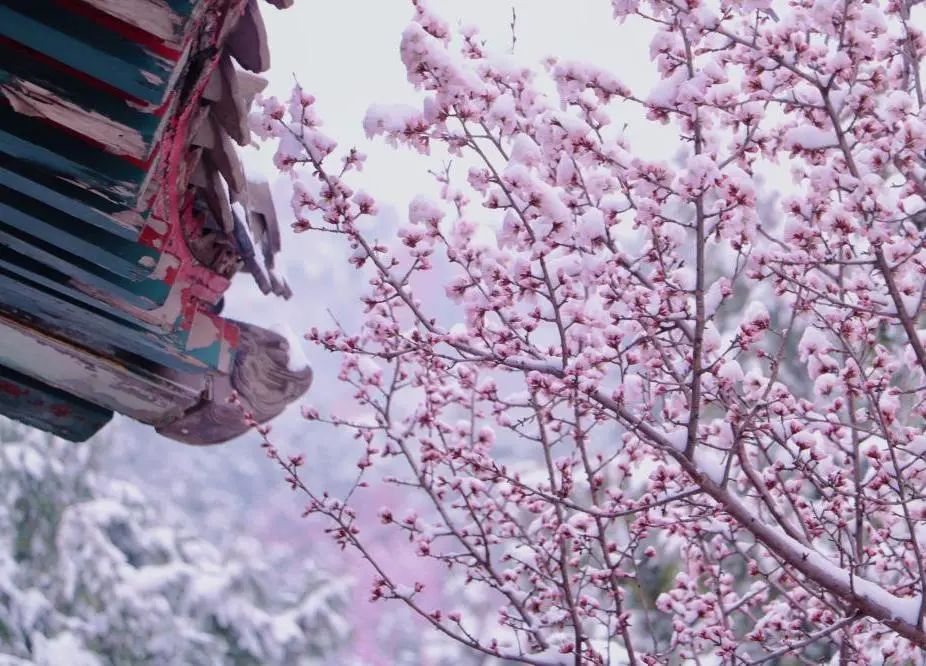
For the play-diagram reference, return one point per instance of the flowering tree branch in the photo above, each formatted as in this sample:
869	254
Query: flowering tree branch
637	366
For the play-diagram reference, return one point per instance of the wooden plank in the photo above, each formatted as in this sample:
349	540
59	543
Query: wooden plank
99	252
75	202
79	43
44	407
54	281
69	158
156	17
94	328
101	111
219	154
211	189
229	105
45	267
90	248
247	42
130	390
31	99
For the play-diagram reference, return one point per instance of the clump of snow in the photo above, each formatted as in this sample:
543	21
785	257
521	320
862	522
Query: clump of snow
297	359
711	462
808	137
677	438
525	151
389	118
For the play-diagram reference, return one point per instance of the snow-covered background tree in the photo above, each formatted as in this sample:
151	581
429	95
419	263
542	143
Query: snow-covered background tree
94	572
655	425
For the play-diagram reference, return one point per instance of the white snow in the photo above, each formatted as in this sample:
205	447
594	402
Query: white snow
65	648
678	438
809	137
389	118
901	608
525	151
297	358
711	462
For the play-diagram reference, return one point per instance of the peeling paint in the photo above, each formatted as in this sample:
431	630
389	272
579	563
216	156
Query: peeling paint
29	99
143	396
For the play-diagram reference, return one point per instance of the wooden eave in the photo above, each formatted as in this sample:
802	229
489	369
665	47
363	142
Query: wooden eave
118	120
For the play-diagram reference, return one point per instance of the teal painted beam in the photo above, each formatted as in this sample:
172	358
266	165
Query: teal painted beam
96	329
94	248
127	388
58	272
47	147
44	407
97	106
53	281
76	202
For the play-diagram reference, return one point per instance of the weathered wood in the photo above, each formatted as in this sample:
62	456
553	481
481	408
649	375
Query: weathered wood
248	251
88	246
71	287
61	83
229	105
65	273
37	144
109	282
248	40
30	99
219	154
231	93
261	377
262	213
212	190
134	391
42	406
75	202
209	336
265	234
155	17
95	328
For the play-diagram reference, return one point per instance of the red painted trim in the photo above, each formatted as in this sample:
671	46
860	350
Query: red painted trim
60	410
203	285
12	389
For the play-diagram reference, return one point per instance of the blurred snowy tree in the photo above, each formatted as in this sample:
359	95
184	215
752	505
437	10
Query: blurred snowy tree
92	573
